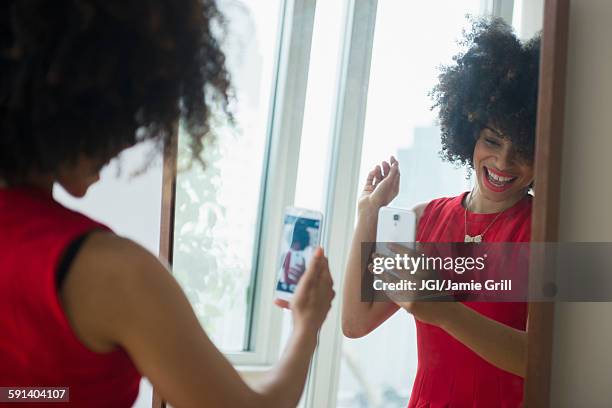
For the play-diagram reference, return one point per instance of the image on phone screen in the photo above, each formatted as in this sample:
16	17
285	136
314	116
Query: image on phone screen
299	240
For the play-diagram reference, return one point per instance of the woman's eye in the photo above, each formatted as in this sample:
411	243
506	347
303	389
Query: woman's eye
491	142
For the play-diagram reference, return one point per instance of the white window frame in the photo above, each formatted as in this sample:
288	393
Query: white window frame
498	8
278	181
343	182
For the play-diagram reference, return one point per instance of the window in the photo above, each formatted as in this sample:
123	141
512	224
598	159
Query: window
218	209
227	219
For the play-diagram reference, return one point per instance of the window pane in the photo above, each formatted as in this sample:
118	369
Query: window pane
217	210
315	142
411	40
319	108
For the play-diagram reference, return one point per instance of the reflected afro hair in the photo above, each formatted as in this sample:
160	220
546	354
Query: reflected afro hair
493	82
91	77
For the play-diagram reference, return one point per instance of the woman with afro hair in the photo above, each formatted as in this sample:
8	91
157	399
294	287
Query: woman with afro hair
470	354
81	307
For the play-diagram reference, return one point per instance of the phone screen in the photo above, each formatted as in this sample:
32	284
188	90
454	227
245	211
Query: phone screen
301	235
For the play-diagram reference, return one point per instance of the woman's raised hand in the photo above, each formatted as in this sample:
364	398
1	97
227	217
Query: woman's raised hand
313	296
382	185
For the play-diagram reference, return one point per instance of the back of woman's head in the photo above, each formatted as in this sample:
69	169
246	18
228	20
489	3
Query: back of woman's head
90	77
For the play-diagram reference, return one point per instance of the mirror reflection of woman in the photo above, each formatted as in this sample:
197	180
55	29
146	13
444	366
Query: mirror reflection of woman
294	263
469	353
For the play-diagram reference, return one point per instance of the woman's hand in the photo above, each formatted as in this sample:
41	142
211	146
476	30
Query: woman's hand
313	296
381	187
437	312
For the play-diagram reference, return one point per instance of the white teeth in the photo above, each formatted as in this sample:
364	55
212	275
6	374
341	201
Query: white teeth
498	179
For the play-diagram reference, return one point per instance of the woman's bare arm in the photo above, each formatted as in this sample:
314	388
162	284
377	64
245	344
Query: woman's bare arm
118	294
358	317
503	346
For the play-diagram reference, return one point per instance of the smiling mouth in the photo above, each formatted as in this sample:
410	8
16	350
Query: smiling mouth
498	180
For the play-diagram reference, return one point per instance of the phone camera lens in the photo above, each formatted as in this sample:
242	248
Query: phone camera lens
395	217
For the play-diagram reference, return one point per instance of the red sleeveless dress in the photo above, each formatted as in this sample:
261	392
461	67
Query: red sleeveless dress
38	348
449	374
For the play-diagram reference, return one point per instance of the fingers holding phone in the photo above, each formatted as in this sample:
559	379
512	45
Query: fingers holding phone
314	294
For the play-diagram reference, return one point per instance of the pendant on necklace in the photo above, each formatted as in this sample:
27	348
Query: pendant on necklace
469	238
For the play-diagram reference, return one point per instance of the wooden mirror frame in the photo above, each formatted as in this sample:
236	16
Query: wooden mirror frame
545	213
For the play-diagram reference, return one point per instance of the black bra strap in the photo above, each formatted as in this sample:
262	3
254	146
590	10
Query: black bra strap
67	258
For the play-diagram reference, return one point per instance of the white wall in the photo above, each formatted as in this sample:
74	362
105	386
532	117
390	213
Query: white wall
582	350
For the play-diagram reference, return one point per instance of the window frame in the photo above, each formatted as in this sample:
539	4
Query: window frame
277	190
279	179
342	185
498	8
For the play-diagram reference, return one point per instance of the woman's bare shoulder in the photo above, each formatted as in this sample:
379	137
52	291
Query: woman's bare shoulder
109	243
106	277
118	294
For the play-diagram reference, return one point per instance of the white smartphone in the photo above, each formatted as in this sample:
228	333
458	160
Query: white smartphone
394	225
301	236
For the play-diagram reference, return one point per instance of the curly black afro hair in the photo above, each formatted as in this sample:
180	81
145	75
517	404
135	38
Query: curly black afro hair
493	82
91	77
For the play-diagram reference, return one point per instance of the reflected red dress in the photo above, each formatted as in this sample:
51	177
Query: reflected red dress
449	374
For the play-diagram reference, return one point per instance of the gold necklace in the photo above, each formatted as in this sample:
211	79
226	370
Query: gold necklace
476	238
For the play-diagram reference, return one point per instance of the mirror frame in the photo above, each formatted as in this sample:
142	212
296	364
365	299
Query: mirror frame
166	236
545	211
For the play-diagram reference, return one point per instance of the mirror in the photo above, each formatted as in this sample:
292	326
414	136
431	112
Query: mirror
214	233
411	41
